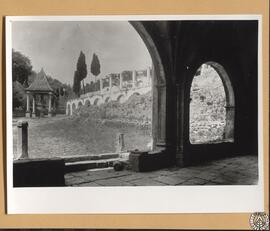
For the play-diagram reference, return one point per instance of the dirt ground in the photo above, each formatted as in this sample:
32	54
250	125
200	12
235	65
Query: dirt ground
65	136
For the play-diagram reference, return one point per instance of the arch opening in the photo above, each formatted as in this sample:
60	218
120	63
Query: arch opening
87	103
211	109
80	104
96	102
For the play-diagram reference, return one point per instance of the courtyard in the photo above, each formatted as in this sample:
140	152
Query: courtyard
62	136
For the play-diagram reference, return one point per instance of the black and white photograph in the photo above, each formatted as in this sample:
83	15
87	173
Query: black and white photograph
133	104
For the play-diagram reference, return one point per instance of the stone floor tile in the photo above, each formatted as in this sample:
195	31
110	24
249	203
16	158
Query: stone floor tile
74	180
92	184
195	181
113	182
147	182
170	180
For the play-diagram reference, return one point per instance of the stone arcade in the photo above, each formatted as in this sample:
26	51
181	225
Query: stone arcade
178	49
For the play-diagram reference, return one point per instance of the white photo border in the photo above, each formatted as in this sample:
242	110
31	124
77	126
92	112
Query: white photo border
139	199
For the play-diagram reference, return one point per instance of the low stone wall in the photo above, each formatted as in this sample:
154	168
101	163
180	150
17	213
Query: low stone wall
137	110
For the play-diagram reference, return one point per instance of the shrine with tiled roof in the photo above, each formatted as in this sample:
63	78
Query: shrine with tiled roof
40	88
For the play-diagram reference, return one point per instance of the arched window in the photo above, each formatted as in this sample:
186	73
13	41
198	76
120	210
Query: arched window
211	117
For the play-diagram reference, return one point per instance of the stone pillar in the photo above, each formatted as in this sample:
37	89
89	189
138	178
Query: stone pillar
120	144
134	79
22	139
229	126
148	76
54	106
110	82
34	107
121	81
180	125
27	113
50	105
101	84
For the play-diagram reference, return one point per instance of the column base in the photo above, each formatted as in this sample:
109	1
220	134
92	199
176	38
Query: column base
27	114
49	114
33	115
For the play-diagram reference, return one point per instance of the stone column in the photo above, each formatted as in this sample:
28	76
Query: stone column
50	105
27	113
134	79
120	144
101	84
180	125
229	126
148	76
22	139
34	107
110	82
121	81
54	106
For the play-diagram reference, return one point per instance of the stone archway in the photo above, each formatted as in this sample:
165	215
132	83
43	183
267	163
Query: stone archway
107	100
80	103
159	89
211	109
96	101
87	102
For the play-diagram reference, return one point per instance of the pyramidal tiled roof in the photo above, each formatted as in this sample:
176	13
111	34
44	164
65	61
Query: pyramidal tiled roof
40	83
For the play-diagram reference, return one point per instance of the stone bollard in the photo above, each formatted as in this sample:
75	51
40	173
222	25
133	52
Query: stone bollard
22	140
120	144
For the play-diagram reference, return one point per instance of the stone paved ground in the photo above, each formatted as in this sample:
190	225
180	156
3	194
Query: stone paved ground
241	170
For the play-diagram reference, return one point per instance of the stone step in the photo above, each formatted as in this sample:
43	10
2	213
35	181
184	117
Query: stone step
76	166
104	156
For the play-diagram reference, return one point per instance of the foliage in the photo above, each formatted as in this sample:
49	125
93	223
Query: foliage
81	72
95	65
21	67
81	67
19	96
76	84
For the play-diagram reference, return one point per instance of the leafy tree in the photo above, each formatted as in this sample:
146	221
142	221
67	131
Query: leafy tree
81	68
95	66
21	68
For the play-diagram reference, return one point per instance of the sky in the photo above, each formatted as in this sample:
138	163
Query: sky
56	46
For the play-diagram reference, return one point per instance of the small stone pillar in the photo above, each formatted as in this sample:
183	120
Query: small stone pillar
101	84
110	82
27	113
134	79
22	140
34	107
120	144
121	81
50	105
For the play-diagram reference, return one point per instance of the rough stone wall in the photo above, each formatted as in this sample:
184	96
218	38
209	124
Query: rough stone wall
136	110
